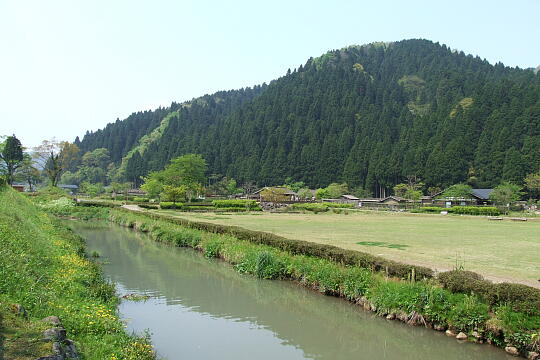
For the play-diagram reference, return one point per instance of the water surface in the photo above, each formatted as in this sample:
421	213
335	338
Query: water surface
203	309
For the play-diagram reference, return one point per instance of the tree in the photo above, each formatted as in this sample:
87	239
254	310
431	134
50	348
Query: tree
28	172
91	189
321	194
174	193
506	194
152	186
532	183
232	188
305	194
188	171
54	157
336	190
12	156
458	191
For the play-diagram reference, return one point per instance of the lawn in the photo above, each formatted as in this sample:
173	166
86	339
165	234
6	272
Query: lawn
499	250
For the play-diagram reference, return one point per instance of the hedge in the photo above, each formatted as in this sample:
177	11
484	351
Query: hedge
339	255
465	210
475	210
338	205
239	203
170	205
314	207
110	204
521	297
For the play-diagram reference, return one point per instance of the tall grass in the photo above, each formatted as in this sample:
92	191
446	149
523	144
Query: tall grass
43	268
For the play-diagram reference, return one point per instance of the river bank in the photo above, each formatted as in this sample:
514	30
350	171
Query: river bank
423	303
44	274
202	308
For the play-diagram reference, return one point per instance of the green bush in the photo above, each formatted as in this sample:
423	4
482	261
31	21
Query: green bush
149	206
465	210
103	203
475	210
170	205
140	199
429	210
213	247
267	266
468	314
520	297
239	203
314	207
338	205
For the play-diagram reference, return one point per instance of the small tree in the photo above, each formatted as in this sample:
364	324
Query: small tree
11	153
532	183
152	186
458	191
54	157
28	173
506	194
321	193
305	194
336	190
174	193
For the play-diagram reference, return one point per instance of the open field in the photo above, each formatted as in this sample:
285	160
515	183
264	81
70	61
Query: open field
499	250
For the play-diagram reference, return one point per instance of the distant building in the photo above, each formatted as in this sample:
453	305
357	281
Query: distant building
274	194
19	188
72	189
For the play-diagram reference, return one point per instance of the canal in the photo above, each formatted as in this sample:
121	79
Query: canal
200	308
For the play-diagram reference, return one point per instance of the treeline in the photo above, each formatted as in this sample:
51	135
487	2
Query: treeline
369	116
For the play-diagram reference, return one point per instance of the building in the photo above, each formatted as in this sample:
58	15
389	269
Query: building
72	189
274	194
19	188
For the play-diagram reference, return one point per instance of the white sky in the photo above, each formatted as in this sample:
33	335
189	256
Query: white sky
67	66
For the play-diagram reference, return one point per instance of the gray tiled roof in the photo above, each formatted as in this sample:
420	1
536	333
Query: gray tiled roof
482	193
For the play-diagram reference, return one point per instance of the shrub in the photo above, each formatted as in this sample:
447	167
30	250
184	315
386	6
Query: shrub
314	207
521	297
475	210
338	205
240	203
170	205
141	199
468	314
149	206
267	266
213	247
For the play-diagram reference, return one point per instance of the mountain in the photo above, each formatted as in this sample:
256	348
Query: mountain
367	115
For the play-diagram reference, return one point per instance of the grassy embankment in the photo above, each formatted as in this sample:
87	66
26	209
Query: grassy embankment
44	269
513	320
501	250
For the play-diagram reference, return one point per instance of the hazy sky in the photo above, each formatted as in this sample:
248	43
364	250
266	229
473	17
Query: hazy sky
73	65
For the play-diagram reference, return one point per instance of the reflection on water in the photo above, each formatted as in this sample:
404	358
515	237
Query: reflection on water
204	309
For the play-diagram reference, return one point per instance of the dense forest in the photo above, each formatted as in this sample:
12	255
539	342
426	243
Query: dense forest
366	115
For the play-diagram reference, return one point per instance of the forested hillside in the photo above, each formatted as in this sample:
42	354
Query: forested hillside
366	115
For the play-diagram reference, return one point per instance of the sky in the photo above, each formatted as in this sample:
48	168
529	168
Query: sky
68	66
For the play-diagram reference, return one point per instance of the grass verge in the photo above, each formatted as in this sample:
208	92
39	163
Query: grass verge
43	268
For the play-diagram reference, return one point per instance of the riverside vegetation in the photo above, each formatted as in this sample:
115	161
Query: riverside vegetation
43	268
506	315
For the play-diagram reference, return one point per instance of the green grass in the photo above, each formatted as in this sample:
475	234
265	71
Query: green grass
499	250
43	268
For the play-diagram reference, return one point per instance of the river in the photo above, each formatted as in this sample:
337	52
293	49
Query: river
203	309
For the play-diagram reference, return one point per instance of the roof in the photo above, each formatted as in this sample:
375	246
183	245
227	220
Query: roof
65	186
396	198
271	188
350	197
482	194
